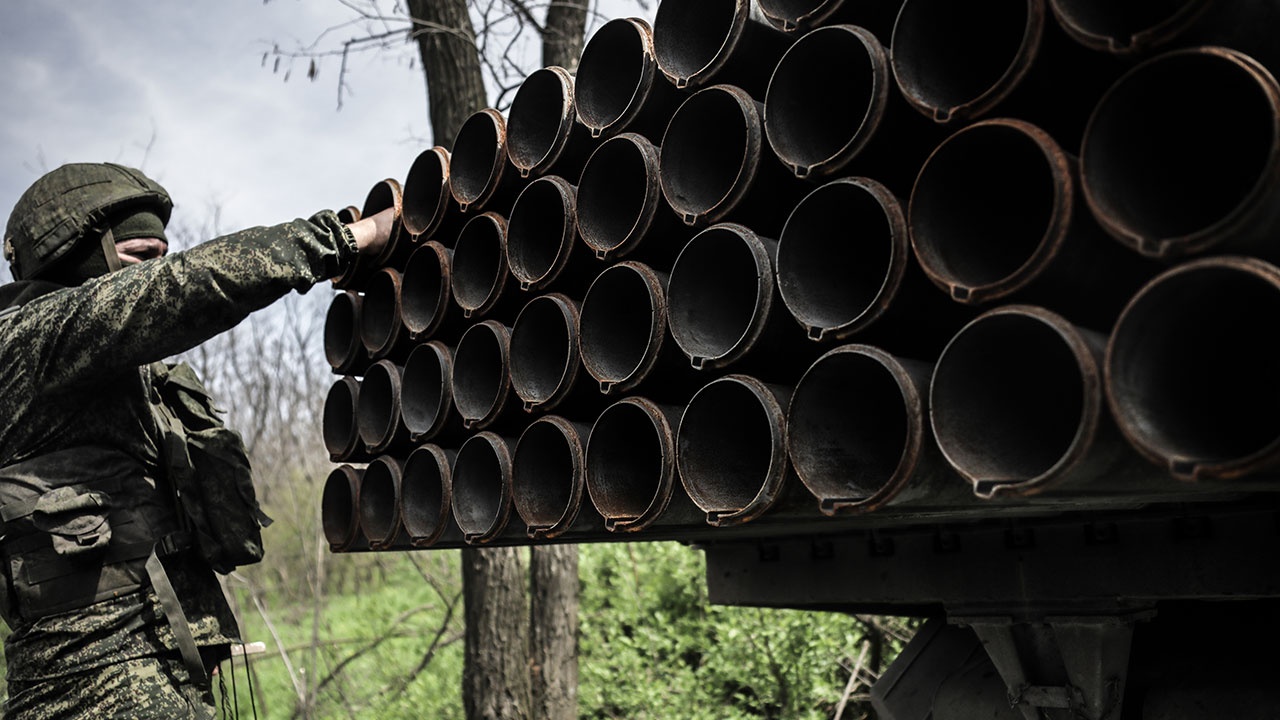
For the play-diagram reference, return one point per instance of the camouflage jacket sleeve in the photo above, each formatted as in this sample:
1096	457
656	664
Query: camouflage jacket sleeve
155	309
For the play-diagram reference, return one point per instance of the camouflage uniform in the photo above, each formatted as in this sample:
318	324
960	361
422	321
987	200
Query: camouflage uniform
75	389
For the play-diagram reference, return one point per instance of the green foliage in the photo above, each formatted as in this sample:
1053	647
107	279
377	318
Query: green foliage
390	649
652	646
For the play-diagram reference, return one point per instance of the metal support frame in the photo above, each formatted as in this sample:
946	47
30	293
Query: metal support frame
1053	601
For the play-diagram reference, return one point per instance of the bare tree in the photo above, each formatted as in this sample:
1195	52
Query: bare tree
522	624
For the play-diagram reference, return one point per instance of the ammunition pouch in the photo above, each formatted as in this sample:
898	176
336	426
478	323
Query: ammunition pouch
208	469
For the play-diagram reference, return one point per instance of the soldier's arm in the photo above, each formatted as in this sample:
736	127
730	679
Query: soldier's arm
155	309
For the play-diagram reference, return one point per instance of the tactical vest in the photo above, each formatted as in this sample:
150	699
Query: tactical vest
85	524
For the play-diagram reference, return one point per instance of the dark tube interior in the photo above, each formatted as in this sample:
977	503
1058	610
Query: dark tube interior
688	36
982	205
425	394
615	329
835	255
542	350
479	372
848	426
477	486
704	150
1193	366
726	443
376	407
612	192
1118	22
423	501
379	312
820	97
535	123
378	501
625	464
714	293
381	196
479	263
424	294
1007	398
1177	145
478	149
610	74
945	54
543	472
338	506
540	230
424	190
341	329
340	416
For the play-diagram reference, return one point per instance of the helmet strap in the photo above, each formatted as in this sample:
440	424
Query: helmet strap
109	251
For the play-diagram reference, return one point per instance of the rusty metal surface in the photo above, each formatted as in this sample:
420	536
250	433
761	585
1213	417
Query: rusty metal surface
482	374
1190	375
548	478
618	87
716	41
542	234
1171	199
343	348
426	395
545	360
481	176
542	133
426	200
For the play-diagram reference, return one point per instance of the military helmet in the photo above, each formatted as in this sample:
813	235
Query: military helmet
66	213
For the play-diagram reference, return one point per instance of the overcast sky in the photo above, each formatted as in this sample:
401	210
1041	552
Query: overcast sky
180	90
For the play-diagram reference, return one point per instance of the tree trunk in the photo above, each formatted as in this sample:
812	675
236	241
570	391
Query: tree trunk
500	675
455	86
495	669
554	631
565	34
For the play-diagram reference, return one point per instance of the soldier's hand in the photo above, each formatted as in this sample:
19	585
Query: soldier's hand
372	233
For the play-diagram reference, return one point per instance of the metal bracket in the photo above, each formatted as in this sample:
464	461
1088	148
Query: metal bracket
1075	663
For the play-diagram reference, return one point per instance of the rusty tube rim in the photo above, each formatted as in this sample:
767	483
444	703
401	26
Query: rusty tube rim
610	381
341	433
425	207
485	130
342	343
378	406
535	209
339	503
1129	42
426	389
348	214
596	465
797	288
533	346
1014	73
1091	404
801	59
603	46
386	194
497	364
671	63
1141	433
773	482
672	142
428	268
787	20
485	227
482	525
687	339
1061	210
379	511
525	486
594	192
381	323
418	494
914	436
1251	204
564	125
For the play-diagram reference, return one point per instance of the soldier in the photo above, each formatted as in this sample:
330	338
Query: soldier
120	490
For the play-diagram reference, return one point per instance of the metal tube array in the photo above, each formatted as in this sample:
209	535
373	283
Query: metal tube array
864	265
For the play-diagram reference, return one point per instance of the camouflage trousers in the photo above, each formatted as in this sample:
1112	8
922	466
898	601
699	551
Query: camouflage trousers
149	688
